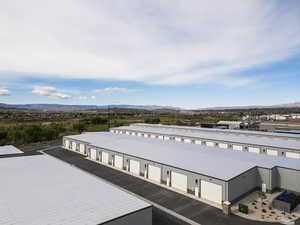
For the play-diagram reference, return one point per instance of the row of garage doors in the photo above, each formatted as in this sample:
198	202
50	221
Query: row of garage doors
272	152
179	181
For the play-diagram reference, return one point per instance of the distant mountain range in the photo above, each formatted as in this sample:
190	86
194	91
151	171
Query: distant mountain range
288	105
60	107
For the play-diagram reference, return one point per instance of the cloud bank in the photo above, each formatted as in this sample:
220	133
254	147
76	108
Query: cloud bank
157	42
4	92
49	92
110	90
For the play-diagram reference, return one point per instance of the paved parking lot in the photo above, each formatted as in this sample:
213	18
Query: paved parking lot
183	205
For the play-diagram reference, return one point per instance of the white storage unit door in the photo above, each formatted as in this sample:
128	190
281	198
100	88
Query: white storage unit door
187	140
254	150
179	181
237	147
105	157
161	137
74	145
153	136
222	145
272	152
293	155
167	138
67	144
119	161
139	134
127	132
198	142
211	191
210	144
154	173
177	139
81	147
93	154
134	167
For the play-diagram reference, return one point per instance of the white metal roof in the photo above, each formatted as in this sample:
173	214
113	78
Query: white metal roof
37	190
9	149
215	162
227	137
246	132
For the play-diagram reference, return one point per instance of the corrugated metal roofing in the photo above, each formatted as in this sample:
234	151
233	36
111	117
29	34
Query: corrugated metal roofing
245	132
215	162
228	137
39	190
9	149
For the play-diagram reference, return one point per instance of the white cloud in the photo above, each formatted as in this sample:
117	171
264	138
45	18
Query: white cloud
49	92
110	90
4	92
160	42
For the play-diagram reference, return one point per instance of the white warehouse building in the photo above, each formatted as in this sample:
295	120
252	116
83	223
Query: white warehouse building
40	190
207	173
255	142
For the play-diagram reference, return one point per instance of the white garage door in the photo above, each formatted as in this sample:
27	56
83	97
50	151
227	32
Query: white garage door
127	132
93	154
211	192
134	167
187	140
198	142
153	136
167	138
161	137
179	181
119	162
74	145
210	144
272	152
293	155
222	145
67	144
154	173
139	134
104	157
254	150
81	148
237	147
177	139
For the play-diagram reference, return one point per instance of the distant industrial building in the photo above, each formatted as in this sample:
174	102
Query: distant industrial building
275	144
206	173
230	124
39	190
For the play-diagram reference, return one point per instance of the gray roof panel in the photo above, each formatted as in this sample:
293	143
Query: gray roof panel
214	162
40	190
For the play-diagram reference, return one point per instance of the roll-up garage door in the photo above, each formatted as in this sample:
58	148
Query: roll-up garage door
179	181
67	144
254	150
93	154
237	147
134	167
139	134
167	138
211	191
198	142
127	132
74	146
153	136
82	148
222	145
272	152
104	157
119	161
154	173
210	144
187	140
161	137
293	155
177	139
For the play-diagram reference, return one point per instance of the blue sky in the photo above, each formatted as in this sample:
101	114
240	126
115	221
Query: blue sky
200	54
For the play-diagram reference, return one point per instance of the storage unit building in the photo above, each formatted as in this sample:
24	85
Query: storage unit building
210	174
78	198
245	141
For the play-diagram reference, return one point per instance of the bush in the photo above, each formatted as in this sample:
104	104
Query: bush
152	120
